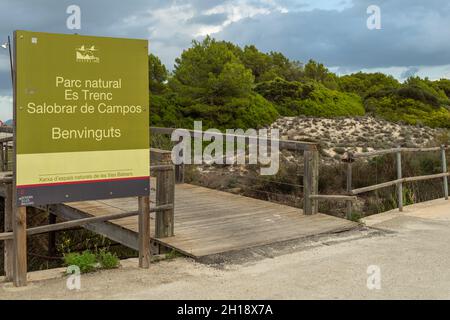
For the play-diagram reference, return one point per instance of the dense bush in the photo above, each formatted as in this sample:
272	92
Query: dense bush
310	98
226	86
409	111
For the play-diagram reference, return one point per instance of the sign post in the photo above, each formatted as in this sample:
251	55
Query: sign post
81	122
82	118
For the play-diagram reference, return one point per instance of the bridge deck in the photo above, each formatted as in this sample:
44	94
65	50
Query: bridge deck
209	222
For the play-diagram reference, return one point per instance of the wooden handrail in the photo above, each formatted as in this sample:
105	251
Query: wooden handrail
350	158
394	150
397	181
283	144
81	222
336	197
6	139
6	129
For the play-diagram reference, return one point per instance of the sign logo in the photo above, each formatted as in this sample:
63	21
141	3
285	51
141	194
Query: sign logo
85	54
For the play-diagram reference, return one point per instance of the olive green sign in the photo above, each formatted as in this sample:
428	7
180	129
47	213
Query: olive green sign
82	117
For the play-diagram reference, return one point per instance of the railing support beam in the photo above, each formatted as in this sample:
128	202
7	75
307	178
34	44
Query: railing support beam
9	244
51	235
165	194
444	170
144	231
20	246
349	204
310	182
400	184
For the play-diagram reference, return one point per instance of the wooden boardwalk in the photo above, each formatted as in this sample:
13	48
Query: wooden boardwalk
210	222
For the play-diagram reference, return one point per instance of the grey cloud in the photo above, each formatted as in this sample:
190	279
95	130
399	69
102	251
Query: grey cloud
209	19
100	17
410	72
413	33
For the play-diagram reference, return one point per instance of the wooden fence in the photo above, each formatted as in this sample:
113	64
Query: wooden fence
311	161
351	157
16	232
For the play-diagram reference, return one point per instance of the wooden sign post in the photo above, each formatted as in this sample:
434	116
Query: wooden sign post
81	119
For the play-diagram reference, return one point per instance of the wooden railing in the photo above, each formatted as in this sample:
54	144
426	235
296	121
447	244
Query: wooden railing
350	158
165	191
16	232
310	155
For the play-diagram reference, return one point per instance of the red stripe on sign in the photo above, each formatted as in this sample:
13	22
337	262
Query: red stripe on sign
24	186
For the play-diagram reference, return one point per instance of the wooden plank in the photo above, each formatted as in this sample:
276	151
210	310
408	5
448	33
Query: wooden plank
315	180
393	150
51	239
144	232
108	229
84	221
444	170
198	246
6	129
349	204
225	214
20	246
310	181
233	220
268	232
399	177
374	187
5	140
394	182
251	227
2	155
78	222
165	193
19	213
334	197
9	244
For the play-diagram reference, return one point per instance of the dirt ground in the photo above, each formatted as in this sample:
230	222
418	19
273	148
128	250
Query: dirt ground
396	256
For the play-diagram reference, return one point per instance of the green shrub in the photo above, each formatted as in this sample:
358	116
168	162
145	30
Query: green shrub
107	259
86	261
310	99
356	216
410	111
172	254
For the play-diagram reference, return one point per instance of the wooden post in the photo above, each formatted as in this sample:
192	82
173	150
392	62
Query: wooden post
5	159
307	207
179	169
165	194
400	184
19	213
179	173
315	180
9	244
2	156
51	235
144	231
444	170
349	186
20	245
310	181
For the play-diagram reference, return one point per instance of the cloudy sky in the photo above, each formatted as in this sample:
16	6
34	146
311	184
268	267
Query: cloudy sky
414	38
